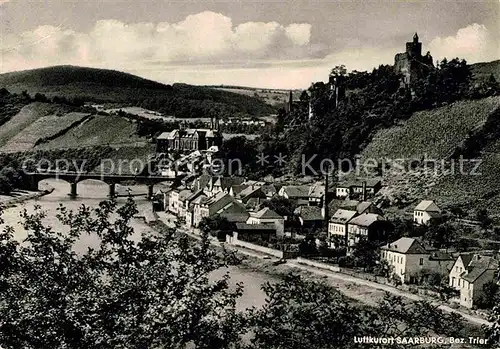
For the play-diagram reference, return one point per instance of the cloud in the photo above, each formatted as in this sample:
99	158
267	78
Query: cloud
207	48
200	38
475	43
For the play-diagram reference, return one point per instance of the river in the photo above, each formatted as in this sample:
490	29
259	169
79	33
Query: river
91	193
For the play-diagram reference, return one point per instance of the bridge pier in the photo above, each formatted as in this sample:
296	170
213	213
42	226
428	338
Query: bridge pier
73	192
150	191
112	190
31	183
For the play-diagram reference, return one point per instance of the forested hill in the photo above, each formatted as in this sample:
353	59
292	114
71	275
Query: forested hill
101	85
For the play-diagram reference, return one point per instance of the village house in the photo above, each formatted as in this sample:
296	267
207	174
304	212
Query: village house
188	206
410	259
176	200
310	217
271	190
371	226
426	212
211	206
245	195
268	216
361	189
337	226
223	184
316	194
255	232
297	193
458	268
479	271
234	212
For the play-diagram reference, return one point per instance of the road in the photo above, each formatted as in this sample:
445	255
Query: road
344	278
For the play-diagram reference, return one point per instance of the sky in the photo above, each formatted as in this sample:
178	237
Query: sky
265	43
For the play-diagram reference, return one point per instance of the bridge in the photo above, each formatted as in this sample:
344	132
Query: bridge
73	178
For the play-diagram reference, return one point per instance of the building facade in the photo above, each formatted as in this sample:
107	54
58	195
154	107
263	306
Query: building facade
188	140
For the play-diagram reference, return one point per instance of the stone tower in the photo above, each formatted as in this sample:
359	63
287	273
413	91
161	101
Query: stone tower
414	48
337	90
411	64
289	103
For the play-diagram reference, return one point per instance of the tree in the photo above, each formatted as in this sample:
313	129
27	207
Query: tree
490	296
5	185
383	268
441	235
123	293
339	70
484	218
365	254
493	331
401	318
216	226
305	314
304	96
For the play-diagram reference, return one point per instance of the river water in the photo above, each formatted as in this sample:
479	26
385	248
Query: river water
91	193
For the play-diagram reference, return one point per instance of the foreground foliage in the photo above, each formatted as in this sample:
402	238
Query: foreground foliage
156	291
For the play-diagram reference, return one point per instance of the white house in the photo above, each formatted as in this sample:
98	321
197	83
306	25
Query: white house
337	226
425	211
407	256
460	265
481	269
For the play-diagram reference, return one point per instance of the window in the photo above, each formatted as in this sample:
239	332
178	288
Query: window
421	261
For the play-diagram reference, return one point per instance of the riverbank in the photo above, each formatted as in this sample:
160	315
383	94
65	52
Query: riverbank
7	201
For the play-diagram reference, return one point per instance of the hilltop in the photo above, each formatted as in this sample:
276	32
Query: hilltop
110	86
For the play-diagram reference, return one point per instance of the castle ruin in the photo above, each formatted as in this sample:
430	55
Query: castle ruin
411	64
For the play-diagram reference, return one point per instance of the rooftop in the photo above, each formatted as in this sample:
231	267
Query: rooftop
405	245
428	206
366	219
266	212
342	216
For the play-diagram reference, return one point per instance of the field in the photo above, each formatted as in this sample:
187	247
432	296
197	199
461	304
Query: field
269	96
40	128
434	134
23	119
98	130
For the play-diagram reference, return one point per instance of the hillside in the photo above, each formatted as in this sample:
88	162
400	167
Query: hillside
435	133
100	85
110	130
24	118
483	70
438	134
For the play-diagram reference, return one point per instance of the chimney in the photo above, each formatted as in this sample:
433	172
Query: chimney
364	191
